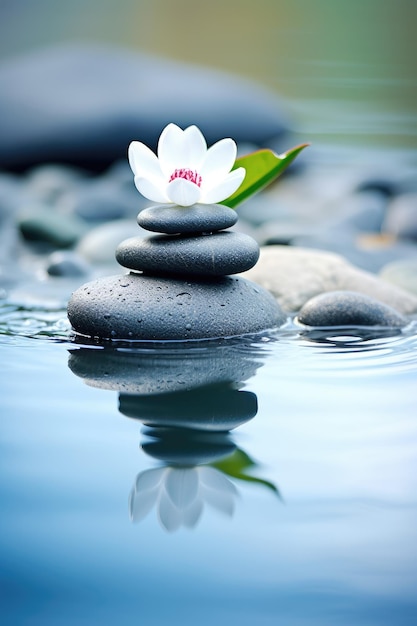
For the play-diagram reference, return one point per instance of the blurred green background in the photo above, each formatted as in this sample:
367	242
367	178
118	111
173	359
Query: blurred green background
347	68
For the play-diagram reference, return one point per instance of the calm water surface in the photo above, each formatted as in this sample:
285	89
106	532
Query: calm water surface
305	514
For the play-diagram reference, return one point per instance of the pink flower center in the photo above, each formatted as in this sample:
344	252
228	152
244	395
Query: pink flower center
187	174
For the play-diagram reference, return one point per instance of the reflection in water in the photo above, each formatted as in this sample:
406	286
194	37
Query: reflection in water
346	337
167	368
180	494
360	352
217	408
188	399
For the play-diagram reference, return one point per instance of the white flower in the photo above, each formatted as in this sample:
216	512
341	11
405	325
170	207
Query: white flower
185	172
179	494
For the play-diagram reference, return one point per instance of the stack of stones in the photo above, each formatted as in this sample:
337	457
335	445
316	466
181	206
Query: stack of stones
179	286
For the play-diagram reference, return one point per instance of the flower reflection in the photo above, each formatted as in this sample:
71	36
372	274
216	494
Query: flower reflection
180	495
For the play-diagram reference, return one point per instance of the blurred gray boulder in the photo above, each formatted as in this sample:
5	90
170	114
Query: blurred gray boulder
82	105
294	275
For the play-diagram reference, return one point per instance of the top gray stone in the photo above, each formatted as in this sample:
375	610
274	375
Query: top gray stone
200	218
83	105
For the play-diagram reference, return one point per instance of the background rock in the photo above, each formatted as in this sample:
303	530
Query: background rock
401	273
66	264
401	219
294	275
348	308
44	224
99	244
83	105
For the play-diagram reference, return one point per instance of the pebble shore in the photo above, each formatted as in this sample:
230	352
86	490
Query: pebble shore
51	245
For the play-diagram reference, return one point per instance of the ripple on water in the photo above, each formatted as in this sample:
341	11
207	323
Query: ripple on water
316	353
16	321
352	352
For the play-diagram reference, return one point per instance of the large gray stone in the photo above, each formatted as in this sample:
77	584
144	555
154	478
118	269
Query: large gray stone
218	254
294	275
139	307
83	105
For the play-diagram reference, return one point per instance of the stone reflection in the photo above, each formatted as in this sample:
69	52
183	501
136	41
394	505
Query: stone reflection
188	399
345	337
189	433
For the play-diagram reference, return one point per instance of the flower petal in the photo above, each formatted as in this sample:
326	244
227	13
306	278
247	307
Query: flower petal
143	161
220	500
191	515
183	192
141	503
219	160
168	147
214	479
224	188
181	485
181	149
217	490
169	516
149	479
152	189
195	148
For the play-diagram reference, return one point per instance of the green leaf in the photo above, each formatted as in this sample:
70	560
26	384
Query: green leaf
262	167
235	466
235	462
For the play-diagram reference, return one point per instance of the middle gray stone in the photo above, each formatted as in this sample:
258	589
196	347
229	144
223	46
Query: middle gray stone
218	254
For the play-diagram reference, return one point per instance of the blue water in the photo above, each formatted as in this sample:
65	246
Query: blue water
326	533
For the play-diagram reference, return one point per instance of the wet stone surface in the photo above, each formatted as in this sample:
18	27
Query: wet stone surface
140	307
218	254
348	308
200	218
